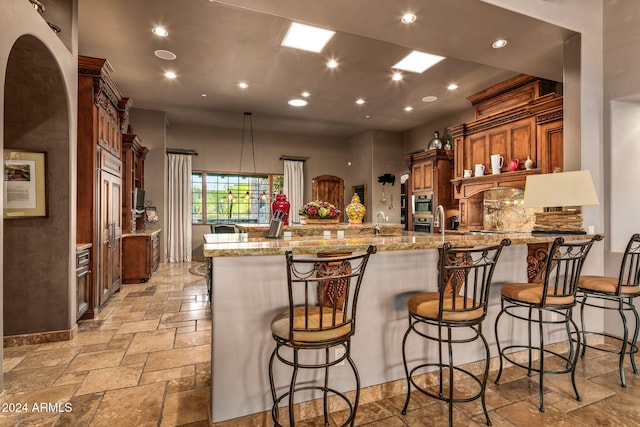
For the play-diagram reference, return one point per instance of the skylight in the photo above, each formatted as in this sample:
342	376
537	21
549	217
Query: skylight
418	62
306	37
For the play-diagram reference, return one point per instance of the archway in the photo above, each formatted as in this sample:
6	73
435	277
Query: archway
36	256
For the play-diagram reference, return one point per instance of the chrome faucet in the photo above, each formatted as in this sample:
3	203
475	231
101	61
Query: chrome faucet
378	221
440	219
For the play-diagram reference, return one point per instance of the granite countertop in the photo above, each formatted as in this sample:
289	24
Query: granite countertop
82	246
142	233
299	230
230	245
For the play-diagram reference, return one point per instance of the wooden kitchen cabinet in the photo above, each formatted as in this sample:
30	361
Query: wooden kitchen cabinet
431	173
102	118
519	118
141	255
83	279
133	157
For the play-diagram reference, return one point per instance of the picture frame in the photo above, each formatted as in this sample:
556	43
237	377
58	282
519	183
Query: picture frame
361	191
24	190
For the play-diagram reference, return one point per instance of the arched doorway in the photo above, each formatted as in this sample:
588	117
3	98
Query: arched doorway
36	256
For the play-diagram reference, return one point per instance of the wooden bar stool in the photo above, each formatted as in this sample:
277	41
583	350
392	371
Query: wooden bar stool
323	295
615	294
464	281
554	297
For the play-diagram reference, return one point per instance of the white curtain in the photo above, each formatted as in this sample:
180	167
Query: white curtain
294	187
179	236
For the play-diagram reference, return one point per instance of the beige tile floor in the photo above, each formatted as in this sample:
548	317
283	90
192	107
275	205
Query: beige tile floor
145	361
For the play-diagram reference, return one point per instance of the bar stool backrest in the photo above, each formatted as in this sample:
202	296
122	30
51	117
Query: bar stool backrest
630	267
464	279
323	295
563	268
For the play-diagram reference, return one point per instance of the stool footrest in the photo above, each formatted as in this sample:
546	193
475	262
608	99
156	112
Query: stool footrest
275	408
632	347
444	396
507	356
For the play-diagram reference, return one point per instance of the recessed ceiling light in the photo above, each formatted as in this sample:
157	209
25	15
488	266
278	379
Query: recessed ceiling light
297	102
397	76
305	94
499	43
165	54
170	75
243	85
408	108
430	98
204	95
306	37
418	62
452	86
408	18
160	31
367	116
360	101
332	63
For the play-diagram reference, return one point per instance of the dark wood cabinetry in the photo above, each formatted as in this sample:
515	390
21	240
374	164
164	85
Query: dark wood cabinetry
133	156
141	256
520	118
431	173
102	118
83	279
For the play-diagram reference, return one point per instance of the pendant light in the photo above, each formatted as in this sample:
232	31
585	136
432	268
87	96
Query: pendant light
249	117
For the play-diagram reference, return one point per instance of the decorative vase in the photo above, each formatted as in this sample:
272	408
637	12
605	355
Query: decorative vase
528	164
355	210
436	142
281	204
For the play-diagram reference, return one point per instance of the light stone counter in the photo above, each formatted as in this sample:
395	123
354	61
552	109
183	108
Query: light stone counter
249	286
298	230
407	241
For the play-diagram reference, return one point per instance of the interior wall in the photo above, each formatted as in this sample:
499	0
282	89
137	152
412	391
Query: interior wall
387	158
417	139
361	170
36	257
56	66
219	151
150	126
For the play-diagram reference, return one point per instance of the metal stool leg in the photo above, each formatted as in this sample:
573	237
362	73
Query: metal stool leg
357	376
406	368
486	376
634	341
574	359
541	382
498	343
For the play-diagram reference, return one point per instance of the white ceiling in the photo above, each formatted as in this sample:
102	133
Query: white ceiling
219	43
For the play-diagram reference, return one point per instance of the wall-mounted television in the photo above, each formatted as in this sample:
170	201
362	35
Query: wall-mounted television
138	200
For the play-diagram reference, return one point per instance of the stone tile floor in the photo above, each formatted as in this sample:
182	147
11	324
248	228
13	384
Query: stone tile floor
145	361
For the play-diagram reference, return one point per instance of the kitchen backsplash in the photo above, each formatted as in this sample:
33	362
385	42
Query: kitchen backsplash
503	210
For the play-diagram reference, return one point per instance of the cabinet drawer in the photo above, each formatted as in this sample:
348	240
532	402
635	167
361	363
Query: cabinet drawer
82	258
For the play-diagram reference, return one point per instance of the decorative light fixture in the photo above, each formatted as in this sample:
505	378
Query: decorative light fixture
408	18
396	76
249	116
499	44
160	31
39	7
306	37
418	62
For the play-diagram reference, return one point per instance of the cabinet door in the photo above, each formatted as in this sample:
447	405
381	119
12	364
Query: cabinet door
83	282
110	273
422	176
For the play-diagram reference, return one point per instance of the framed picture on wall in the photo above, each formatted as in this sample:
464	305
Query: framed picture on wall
361	191
25	194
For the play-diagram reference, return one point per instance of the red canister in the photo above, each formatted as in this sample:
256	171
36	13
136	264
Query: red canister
514	165
281	204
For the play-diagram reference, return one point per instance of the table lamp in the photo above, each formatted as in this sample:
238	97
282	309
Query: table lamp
555	191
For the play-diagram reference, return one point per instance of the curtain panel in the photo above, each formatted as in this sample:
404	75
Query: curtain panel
294	187
179	235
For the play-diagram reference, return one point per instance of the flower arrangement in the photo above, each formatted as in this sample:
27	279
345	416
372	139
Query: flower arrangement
319	209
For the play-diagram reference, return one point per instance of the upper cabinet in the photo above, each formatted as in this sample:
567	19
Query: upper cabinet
133	155
518	119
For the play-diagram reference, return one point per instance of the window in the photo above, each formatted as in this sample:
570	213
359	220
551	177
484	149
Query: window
223	198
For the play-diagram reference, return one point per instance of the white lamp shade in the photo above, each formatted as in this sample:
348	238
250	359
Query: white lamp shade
560	189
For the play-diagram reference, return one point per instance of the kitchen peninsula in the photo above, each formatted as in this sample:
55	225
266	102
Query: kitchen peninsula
248	279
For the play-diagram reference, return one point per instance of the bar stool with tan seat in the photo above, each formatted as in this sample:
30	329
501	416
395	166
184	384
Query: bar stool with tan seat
464	281
553	301
615	294
323	295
